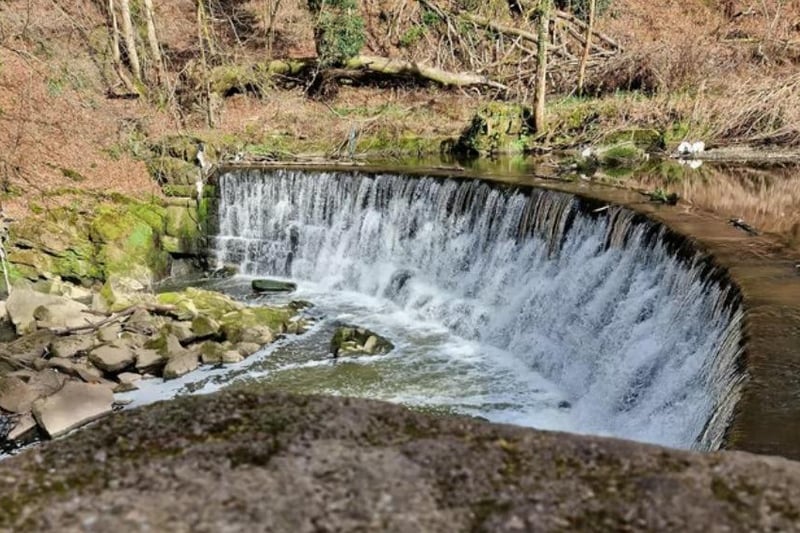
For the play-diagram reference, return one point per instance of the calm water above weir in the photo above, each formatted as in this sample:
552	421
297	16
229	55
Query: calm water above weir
520	306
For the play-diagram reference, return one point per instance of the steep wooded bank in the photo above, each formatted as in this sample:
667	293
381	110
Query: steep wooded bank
89	87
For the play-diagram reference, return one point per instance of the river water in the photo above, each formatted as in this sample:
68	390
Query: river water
518	306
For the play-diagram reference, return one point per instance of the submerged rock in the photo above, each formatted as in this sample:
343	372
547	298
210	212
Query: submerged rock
272	285
72	406
354	340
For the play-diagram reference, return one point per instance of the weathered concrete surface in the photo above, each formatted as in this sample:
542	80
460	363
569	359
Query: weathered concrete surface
241	461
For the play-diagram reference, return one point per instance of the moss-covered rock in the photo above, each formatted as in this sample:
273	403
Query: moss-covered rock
622	155
497	128
173	171
354	340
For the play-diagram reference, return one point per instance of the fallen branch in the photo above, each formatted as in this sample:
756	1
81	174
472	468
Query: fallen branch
582	25
89	328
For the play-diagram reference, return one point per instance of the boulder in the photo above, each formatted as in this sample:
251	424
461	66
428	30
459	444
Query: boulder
26	307
211	352
16	396
230	357
143	323
257	335
127	382
109	333
181	364
165	344
272	285
26	349
354	340
72	406
204	326
71	345
124	290
112	358
247	348
23	426
183	330
147	360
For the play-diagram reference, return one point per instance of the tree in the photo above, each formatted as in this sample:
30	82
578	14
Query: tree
587	46
540	87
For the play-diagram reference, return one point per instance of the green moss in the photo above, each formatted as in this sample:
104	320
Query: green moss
625	154
173	171
497	128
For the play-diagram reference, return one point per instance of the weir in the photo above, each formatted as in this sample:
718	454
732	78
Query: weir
638	336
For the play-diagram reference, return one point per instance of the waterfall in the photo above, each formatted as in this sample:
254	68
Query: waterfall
642	336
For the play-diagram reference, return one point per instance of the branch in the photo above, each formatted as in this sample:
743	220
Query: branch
153	308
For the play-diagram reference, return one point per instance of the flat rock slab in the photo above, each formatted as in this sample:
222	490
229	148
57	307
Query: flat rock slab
74	405
305	463
111	358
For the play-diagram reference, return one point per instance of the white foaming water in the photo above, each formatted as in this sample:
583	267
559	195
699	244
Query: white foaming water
538	303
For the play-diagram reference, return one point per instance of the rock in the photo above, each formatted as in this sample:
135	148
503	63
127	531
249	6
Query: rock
257	334
26	307
342	464
183	330
181	364
112	358
71	345
16	396
74	405
165	344
24	425
143	323
247	348
211	352
299	305
127	382
124	290
109	333
204	326
231	357
272	285
354	340
27	348
147	360
225	271
61	288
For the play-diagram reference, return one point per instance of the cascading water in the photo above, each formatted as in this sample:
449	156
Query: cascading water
561	318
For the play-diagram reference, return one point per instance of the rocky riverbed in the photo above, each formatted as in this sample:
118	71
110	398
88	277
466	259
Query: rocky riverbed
76	348
248	461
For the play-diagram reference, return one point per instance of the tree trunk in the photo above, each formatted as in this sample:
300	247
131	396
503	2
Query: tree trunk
116	55
152	39
539	119
587	46
203	42
130	39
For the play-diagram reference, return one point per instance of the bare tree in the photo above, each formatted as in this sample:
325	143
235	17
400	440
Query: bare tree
130	39
587	46
152	39
540	87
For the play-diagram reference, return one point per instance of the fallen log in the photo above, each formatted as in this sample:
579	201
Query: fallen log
401	67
